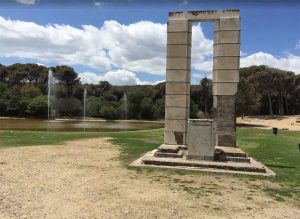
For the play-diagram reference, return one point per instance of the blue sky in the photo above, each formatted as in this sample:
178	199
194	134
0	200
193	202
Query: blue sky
125	40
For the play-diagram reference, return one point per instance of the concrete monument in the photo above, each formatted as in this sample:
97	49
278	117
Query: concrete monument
191	142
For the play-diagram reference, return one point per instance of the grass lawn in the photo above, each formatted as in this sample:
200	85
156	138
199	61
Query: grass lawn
280	152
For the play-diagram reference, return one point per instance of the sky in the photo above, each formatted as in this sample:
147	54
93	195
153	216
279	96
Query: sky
124	41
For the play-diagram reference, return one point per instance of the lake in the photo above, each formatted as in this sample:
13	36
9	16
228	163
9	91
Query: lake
76	125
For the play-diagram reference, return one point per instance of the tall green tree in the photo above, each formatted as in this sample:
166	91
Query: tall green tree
66	76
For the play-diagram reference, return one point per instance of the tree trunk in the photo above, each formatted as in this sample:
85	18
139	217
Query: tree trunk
286	105
281	107
270	104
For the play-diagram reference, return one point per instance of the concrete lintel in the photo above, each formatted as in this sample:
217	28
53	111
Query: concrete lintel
230	23
204	15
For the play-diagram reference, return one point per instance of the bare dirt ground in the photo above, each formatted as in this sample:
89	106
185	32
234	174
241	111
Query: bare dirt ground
85	179
291	123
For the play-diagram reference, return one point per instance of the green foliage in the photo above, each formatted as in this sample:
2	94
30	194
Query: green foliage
38	106
146	108
30	91
108	112
134	108
193	110
2	107
159	109
67	107
261	90
246	101
66	76
93	107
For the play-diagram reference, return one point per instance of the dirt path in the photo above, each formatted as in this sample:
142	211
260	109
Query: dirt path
291	123
85	179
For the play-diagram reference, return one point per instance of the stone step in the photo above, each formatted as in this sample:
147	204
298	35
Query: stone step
169	148
238	159
179	154
230	151
248	167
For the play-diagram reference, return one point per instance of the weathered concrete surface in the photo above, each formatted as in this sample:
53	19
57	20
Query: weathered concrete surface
200	141
251	168
224	114
225	74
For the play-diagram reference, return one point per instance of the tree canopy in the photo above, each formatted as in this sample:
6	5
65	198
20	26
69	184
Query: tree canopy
23	92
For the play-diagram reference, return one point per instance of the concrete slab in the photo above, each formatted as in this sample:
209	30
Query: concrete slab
167	148
179	154
230	151
252	168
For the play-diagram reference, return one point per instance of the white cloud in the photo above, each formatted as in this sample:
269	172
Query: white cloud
139	47
61	44
157	82
99	4
118	77
202	50
242	54
27	2
290	62
136	47
297	45
184	2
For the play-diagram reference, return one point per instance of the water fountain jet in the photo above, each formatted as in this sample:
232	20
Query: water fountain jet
84	107
125	105
50	77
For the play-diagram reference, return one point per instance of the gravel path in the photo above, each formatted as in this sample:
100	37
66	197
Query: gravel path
85	179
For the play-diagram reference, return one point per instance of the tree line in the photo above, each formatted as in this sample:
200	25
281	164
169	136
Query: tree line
24	93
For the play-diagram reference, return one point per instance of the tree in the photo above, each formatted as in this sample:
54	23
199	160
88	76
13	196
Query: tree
66	76
3	107
264	83
3	74
67	107
93	106
38	106
245	98
159	109
205	96
193	110
103	86
134	104
108	112
146	108
30	91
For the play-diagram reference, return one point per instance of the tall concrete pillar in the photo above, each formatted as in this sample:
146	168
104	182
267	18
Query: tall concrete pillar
225	74
177	106
225	79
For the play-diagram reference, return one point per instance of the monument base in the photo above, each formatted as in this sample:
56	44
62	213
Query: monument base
227	160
